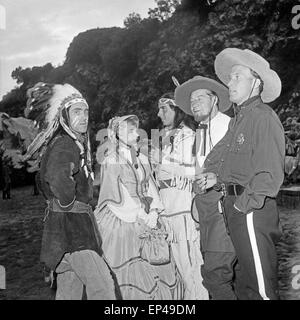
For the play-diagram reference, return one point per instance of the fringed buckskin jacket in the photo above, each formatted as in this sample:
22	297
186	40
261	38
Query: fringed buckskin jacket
69	223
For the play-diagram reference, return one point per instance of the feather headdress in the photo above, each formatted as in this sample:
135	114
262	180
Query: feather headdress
176	82
45	104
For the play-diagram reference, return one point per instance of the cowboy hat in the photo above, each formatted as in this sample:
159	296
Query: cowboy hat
230	57
184	91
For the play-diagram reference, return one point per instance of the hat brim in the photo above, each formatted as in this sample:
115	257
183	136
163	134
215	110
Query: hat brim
230	57
184	91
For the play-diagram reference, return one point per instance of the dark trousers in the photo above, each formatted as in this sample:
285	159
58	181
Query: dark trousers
254	236
218	273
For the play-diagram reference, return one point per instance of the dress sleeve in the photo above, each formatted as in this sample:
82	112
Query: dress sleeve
110	190
130	210
114	194
154	194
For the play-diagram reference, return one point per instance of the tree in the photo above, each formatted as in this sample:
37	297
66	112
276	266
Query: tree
31	75
164	9
88	46
132	20
125	70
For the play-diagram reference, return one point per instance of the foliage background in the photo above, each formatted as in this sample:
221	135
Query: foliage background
125	70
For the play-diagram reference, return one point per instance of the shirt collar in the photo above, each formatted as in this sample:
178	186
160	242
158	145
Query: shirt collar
216	117
247	105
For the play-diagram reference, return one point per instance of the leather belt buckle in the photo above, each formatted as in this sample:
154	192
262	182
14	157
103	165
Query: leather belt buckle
221	187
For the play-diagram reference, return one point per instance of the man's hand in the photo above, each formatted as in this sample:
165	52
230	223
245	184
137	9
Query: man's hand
206	180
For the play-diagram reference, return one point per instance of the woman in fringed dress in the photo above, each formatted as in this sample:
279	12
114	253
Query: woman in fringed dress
175	173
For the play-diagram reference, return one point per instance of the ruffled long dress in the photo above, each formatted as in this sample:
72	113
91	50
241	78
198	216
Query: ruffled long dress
119	215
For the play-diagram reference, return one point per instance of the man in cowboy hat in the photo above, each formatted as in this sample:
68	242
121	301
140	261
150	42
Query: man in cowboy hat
249	167
206	100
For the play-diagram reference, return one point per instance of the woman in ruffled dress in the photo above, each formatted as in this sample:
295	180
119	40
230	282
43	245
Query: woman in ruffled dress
174	165
128	209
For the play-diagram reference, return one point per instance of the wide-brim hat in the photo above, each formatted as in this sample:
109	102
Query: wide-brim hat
230	57
184	91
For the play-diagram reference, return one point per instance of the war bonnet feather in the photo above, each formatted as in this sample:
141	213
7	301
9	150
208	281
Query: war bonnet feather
44	105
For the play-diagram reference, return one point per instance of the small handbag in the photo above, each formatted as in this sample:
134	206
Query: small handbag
154	247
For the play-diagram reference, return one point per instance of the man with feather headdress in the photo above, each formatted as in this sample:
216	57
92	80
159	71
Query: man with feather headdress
71	245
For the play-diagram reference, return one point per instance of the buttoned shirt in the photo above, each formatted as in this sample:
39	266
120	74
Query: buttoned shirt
216	129
251	154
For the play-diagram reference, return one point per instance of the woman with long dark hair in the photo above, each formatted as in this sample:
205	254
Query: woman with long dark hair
174	165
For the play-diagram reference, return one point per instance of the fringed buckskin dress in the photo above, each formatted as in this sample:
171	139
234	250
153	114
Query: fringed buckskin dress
175	175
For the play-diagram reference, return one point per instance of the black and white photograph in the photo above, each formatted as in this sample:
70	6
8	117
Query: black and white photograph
150	150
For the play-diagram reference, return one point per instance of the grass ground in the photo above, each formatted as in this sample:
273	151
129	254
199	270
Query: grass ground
21	224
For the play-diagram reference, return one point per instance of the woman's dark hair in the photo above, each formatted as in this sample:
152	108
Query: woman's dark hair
180	116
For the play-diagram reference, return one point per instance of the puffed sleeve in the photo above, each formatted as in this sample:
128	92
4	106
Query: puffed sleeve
114	194
110	191
154	194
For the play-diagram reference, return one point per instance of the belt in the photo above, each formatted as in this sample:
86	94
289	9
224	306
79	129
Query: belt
229	189
77	207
